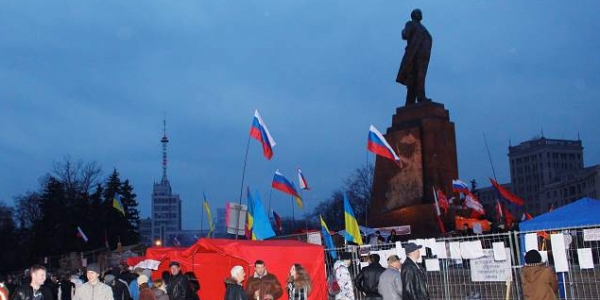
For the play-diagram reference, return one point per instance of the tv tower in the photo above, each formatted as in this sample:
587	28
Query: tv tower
164	141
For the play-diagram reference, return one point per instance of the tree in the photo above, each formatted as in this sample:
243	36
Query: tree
132	214
28	209
77	177
357	187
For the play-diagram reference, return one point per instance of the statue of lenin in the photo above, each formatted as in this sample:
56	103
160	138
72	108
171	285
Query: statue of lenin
413	68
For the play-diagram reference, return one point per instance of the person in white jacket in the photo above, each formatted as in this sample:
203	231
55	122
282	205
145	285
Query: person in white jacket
342	275
93	289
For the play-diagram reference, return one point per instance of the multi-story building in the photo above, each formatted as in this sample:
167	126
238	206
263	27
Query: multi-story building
571	186
540	162
220	223
146	231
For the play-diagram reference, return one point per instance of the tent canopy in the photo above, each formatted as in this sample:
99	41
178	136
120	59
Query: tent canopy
212	259
582	212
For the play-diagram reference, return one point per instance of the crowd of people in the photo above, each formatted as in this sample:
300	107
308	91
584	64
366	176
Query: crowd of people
263	285
407	281
120	283
93	283
399	281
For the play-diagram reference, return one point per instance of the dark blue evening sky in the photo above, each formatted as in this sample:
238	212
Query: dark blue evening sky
92	79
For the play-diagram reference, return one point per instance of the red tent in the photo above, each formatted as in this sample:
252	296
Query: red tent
212	259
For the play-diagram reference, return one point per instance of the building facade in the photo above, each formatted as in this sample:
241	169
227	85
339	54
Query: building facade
537	163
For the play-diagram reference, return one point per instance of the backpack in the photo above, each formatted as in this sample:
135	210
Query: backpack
333	287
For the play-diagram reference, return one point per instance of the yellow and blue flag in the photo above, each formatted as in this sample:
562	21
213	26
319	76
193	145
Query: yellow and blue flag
211	224
250	217
261	225
118	204
327	238
352	229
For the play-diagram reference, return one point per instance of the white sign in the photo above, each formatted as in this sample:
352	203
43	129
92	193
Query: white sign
235	217
432	265
488	269
561	264
148	264
314	238
531	241
499	253
591	234
471	249
440	250
586	260
455	250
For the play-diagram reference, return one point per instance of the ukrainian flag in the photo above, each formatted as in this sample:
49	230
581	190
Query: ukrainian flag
250	217
211	225
352	229
327	238
118	204
261	226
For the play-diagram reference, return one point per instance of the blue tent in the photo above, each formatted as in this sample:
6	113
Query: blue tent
583	212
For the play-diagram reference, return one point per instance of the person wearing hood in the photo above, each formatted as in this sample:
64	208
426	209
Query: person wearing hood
342	275
539	281
233	285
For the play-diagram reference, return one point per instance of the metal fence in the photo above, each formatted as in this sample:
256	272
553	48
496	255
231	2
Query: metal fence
490	277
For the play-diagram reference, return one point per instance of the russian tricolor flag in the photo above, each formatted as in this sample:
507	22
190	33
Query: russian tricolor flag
378	145
283	184
260	132
459	186
302	181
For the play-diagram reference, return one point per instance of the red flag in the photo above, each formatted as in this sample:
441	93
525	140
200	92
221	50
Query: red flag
506	194
510	220
437	212
443	201
526	216
278	221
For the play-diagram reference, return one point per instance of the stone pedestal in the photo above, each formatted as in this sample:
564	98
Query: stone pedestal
423	136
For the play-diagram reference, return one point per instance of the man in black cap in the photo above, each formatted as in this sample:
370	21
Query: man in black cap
94	288
179	288
414	282
368	279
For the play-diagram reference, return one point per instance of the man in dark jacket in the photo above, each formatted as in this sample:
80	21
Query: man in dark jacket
119	287
263	284
34	289
233	285
179	288
414	282
368	279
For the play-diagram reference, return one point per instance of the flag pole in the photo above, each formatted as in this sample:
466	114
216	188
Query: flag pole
270	195
305	224
242	188
293	217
